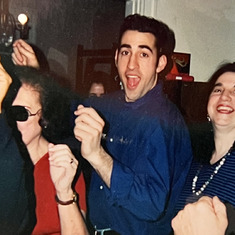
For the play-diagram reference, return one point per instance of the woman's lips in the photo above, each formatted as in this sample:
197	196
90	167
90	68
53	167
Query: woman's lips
226	109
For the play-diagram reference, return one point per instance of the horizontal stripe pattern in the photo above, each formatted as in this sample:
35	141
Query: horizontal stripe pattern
222	185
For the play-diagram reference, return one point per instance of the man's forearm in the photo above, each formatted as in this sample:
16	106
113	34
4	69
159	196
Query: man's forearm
103	165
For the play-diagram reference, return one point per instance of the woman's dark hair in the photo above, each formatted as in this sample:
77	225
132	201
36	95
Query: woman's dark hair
165	37
223	68
202	136
55	102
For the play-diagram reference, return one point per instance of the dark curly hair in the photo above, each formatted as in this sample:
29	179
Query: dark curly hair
55	102
165	37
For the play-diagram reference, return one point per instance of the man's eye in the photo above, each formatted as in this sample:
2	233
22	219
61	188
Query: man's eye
144	54
124	53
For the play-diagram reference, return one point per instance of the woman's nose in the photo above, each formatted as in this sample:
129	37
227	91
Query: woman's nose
226	95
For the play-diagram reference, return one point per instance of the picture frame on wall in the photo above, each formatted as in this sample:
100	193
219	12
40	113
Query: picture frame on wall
181	67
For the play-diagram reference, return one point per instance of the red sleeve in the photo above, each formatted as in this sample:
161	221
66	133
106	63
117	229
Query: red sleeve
80	188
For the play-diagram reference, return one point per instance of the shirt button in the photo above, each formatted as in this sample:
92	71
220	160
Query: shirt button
101	187
111	139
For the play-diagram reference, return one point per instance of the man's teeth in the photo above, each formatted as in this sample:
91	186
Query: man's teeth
131	76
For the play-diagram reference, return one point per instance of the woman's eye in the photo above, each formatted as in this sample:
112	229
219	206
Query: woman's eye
216	90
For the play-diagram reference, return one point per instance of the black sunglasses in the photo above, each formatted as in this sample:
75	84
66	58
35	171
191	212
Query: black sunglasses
20	113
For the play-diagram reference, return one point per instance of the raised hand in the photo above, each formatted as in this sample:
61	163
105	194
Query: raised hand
23	54
88	129
63	166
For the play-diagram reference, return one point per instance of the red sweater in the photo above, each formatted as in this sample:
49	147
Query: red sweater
46	207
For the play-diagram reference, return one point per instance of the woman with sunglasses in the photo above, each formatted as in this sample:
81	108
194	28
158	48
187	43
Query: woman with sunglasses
17	199
39	110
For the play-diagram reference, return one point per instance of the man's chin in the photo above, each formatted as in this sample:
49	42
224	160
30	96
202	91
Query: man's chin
131	97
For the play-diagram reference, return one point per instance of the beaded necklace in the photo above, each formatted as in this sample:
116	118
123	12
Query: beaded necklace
220	164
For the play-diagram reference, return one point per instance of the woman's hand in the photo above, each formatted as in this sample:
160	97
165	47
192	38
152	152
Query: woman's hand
206	216
63	167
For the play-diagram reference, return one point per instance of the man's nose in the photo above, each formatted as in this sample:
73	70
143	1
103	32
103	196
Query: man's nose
133	62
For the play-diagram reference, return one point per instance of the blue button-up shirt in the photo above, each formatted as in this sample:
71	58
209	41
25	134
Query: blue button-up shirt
150	146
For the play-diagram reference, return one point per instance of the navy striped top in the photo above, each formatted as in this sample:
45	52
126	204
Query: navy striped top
222	184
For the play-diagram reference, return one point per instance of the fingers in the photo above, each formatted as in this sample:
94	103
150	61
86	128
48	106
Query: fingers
220	211
206	200
206	216
178	224
63	167
21	43
88	124
23	54
17	57
89	112
61	155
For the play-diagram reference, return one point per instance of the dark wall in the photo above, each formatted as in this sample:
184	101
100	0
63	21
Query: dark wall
58	26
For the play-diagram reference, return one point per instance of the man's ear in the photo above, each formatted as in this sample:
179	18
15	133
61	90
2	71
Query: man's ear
162	62
116	57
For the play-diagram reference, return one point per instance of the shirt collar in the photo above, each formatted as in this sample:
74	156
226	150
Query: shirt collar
155	92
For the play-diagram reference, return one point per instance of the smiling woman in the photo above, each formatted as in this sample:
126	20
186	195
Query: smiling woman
222	100
215	176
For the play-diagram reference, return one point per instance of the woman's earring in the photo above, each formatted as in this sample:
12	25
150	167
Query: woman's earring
43	123
208	118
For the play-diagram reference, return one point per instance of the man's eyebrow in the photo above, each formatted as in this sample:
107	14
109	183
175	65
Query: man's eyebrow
125	45
146	47
140	46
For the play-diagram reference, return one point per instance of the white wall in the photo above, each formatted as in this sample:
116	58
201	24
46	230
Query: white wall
203	28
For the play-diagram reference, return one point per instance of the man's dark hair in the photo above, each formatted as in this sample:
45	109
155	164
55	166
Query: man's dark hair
165	37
